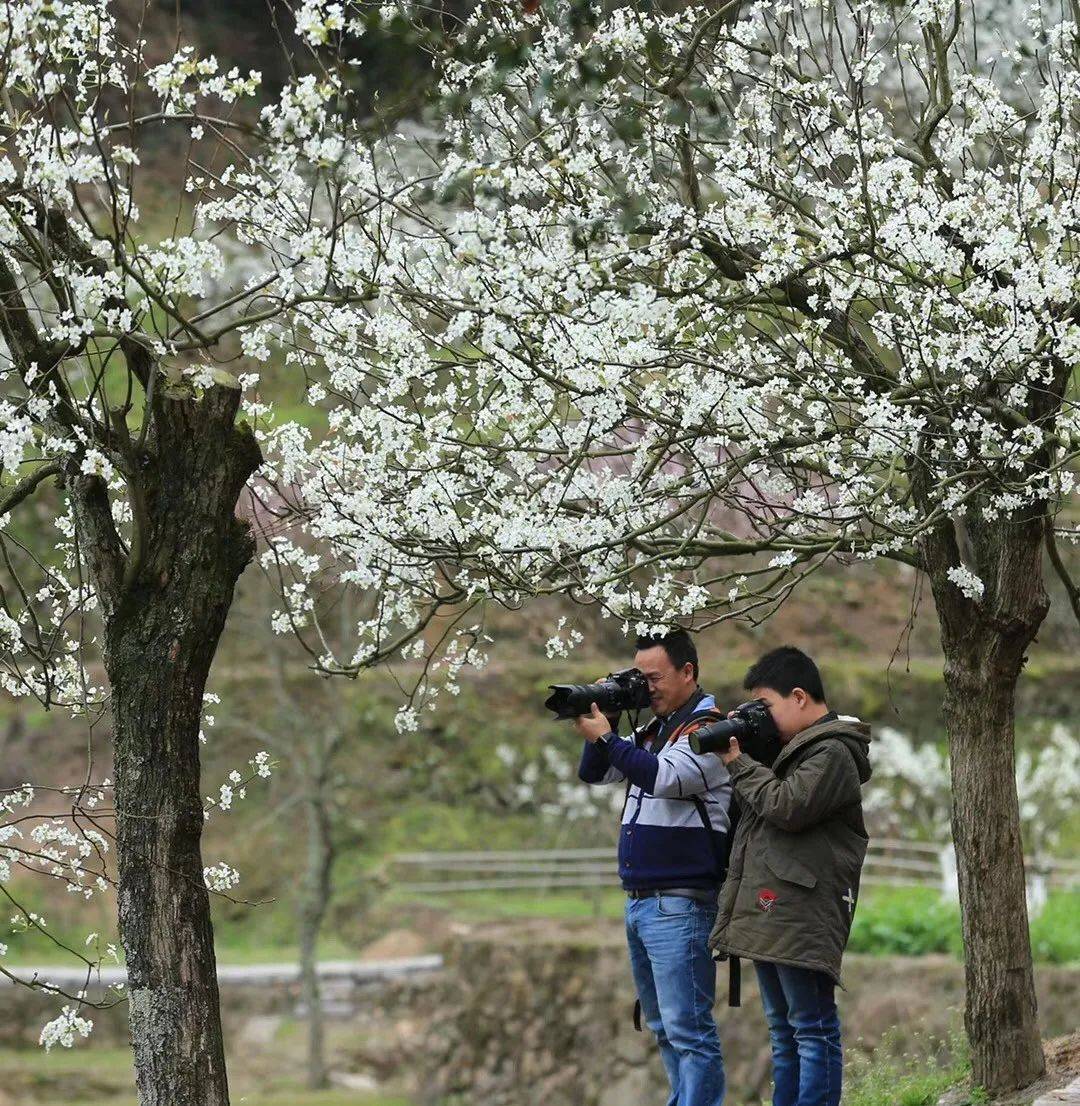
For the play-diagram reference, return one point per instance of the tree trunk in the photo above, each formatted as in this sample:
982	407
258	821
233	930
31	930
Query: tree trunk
320	858
984	642
165	604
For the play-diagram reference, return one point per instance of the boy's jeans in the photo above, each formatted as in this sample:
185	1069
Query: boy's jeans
804	1029
676	982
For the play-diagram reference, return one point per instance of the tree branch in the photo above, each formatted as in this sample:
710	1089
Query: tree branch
1071	589
28	485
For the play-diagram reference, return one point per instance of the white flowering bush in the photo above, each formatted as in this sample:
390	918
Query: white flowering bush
1048	786
909	793
544	781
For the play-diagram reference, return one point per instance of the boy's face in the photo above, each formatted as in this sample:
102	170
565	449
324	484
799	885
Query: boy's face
791	713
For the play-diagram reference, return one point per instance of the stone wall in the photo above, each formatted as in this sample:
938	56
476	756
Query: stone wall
528	1018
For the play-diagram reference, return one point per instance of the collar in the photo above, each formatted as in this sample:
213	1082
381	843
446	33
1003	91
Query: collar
806	737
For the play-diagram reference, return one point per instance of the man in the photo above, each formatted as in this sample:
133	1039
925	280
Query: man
790	893
672	856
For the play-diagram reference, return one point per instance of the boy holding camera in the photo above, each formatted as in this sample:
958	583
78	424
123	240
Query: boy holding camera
793	878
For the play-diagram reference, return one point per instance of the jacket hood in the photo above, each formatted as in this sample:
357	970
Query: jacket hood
854	733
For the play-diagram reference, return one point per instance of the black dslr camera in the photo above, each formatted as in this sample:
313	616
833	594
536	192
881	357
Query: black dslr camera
625	690
752	723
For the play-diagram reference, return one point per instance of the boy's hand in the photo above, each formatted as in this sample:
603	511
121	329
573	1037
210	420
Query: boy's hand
592	726
733	750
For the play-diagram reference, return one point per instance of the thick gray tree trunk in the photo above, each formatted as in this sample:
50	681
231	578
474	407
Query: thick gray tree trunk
165	601
985	642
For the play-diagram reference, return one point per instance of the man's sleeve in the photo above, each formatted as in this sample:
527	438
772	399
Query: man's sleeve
595	766
823	783
682	773
639	766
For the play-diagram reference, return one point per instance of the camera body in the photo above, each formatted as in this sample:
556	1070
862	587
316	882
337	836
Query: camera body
751	723
626	689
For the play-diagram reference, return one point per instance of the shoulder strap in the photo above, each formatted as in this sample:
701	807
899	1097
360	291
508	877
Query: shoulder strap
701	718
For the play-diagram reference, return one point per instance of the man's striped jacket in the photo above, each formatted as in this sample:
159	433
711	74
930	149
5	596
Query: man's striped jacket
674	830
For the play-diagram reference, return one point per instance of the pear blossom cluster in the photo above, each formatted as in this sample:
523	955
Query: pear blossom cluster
260	766
752	315
664	340
65	1028
72	850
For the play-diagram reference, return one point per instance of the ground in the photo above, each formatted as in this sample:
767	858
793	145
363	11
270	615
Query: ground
1062	1068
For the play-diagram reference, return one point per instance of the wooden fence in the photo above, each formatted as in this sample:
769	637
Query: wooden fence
890	862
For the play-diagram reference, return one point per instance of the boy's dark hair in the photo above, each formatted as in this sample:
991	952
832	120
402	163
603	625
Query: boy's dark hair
678	645
785	669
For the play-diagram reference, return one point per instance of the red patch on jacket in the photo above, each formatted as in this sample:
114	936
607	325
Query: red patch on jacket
766	899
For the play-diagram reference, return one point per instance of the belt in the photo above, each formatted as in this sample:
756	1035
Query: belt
702	894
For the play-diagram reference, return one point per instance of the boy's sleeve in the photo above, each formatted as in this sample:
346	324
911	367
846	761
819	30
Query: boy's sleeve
823	783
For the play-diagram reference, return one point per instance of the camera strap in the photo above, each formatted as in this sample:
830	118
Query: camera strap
734	988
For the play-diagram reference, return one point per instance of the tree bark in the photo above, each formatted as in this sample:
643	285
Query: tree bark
165	604
984	641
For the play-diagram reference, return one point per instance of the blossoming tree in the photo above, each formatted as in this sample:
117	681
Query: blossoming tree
664	313
693	305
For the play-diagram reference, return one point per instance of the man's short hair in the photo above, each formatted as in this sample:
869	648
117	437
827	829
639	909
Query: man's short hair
678	645
785	669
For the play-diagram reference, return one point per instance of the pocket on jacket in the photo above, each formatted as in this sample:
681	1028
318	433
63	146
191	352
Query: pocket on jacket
788	867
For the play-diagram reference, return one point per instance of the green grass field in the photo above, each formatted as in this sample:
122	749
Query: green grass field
286	1098
92	1076
905	921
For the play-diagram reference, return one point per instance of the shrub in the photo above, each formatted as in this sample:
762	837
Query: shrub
1055	933
905	922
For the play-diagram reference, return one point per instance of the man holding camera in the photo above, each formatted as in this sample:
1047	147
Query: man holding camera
673	848
797	855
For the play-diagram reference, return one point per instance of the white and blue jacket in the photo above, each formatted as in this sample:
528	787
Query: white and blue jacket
675	818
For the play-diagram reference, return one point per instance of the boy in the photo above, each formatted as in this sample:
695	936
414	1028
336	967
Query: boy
793	878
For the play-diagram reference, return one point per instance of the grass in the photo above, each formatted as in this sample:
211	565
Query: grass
289	1098
917	1076
889	922
91	1076
1055	933
479	906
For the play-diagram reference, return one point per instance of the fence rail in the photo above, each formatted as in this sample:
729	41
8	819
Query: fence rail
890	862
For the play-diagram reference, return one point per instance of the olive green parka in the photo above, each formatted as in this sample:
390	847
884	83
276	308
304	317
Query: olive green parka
793	877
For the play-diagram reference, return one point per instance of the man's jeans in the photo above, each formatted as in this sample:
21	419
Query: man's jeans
804	1029
676	982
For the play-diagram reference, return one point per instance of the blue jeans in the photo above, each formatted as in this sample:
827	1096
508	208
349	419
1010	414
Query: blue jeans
804	1030
676	982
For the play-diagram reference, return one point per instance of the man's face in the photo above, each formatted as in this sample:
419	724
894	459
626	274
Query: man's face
669	687
790	712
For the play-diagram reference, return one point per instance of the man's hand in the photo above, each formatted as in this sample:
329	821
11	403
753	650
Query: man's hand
733	750
592	726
